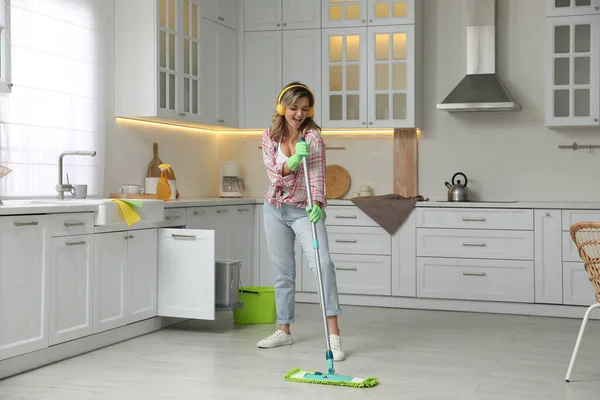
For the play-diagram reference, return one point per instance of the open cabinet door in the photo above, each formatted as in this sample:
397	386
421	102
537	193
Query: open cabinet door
186	273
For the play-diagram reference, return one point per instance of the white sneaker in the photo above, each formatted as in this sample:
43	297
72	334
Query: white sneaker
279	338
336	348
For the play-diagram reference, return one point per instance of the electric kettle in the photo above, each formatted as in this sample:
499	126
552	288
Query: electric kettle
458	191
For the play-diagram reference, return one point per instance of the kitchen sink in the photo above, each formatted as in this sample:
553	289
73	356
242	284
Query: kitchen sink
108	212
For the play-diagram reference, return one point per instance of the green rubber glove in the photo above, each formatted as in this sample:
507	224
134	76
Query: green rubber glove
315	214
302	149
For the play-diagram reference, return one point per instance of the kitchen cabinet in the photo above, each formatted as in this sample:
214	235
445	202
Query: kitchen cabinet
24	283
475	254
548	256
159	59
573	75
71	288
294	55
369	77
360	251
218	74
269	15
234	232
353	13
224	12
561	8
125	278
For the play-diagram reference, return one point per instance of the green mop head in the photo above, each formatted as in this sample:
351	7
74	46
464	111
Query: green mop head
298	375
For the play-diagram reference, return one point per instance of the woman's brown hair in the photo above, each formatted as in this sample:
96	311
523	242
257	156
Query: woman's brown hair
278	122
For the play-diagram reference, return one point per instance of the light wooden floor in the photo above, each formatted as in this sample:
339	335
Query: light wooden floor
415	354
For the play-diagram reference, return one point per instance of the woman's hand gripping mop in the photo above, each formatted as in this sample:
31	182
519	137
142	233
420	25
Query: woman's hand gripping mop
329	378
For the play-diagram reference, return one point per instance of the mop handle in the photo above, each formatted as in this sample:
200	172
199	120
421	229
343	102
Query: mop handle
328	354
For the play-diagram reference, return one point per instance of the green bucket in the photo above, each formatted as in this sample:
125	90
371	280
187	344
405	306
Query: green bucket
259	305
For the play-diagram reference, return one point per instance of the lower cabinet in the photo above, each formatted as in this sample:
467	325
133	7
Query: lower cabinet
234	233
24	283
71	288
140	274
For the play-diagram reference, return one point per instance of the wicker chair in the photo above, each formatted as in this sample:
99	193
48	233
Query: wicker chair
586	236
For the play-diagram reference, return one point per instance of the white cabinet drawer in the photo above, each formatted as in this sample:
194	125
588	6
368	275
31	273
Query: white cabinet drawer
471	243
355	274
347	215
475	218
175	216
467	279
577	288
72	224
569	217
359	240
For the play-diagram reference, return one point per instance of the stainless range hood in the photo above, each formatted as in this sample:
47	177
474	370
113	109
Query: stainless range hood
481	89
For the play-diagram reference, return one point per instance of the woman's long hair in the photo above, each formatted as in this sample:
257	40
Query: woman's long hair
279	128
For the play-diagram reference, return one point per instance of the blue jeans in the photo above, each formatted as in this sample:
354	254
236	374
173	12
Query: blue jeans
282	227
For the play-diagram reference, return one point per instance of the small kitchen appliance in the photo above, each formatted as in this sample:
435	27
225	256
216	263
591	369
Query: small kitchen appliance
457	191
231	183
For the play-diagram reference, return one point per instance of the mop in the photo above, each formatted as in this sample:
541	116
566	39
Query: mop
331	377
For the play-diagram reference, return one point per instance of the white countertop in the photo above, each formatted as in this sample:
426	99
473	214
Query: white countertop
27	207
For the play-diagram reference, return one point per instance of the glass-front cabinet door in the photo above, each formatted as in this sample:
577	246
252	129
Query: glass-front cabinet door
558	8
573	84
168	55
391	76
390	12
344	77
191	57
344	13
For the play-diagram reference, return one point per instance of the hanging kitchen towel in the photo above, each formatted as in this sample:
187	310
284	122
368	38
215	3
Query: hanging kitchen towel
128	211
389	210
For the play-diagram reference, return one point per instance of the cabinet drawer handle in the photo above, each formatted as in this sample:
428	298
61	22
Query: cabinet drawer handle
474	273
71	224
75	243
33	223
199	212
473	219
222	211
346	268
172	217
346	240
221	120
346	216
243	209
127	237
474	244
189	237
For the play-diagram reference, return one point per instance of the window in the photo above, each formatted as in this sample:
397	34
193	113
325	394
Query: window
5	46
58	99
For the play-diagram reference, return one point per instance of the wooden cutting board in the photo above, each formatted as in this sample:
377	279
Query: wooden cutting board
337	180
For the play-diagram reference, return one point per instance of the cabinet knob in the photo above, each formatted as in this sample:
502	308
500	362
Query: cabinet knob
181	114
278	24
285	24
363	122
370	20
548	214
363	20
370	122
221	120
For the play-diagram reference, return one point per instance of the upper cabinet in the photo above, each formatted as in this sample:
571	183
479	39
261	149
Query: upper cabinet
224	12
352	13
159	59
559	8
272	15
573	79
362	58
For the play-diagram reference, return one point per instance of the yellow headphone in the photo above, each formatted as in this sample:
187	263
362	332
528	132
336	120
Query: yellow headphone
281	108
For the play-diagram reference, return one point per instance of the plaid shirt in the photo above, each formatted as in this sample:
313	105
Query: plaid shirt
291	189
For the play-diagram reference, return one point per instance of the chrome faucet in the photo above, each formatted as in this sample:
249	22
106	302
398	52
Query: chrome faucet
62	188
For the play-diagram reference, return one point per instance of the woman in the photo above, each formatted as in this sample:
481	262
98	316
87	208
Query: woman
286	212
